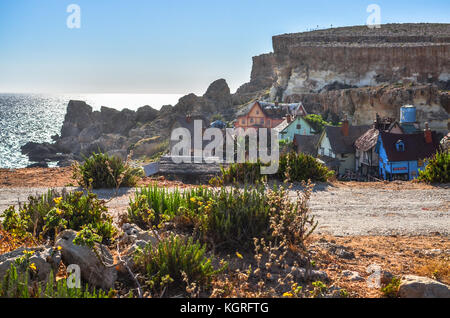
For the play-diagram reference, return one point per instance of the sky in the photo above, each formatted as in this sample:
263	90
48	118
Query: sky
165	47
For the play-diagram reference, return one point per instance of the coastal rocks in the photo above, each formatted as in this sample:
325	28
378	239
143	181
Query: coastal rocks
97	270
45	259
422	287
147	146
118	132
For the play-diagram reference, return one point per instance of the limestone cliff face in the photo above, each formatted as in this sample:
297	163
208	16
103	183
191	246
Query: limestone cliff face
329	69
362	104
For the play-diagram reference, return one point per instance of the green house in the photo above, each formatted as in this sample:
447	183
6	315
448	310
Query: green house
298	126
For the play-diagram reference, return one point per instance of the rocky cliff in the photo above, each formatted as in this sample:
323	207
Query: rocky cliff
326	70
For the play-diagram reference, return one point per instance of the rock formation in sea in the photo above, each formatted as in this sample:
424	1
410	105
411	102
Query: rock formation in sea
145	131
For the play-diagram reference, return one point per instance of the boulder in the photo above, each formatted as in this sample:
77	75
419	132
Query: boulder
133	233
93	269
300	275
138	239
146	114
79	114
46	259
353	276
422	287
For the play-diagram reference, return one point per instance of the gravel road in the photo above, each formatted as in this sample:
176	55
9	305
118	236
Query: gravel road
339	211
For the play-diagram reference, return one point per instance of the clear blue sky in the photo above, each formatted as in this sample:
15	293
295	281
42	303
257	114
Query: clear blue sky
170	46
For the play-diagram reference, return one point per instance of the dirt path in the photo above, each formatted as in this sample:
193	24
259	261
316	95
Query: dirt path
340	211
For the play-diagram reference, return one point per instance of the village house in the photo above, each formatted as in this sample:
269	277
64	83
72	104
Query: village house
266	115
294	126
339	143
366	157
402	156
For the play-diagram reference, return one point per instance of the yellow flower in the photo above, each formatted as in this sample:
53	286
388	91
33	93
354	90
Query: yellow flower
57	200
33	266
59	212
59	248
200	203
239	255
288	295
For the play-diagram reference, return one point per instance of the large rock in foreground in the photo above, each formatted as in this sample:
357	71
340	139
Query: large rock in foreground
95	271
45	259
422	287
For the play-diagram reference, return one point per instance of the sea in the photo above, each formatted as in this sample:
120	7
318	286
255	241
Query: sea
38	117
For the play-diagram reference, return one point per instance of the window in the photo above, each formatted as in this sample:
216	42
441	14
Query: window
251	121
243	121
400	145
262	121
420	163
322	151
257	112
299	127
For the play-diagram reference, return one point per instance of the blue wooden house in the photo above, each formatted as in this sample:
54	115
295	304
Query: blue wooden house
401	156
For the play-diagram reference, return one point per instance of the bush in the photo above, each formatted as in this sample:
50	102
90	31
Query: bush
391	289
301	167
228	217
437	170
102	171
175	261
246	173
19	285
45	216
152	205
235	217
317	122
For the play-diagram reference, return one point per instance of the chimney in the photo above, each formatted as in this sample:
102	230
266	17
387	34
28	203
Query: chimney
345	128
428	135
289	119
188	118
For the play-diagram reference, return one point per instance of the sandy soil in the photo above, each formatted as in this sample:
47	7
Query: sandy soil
399	255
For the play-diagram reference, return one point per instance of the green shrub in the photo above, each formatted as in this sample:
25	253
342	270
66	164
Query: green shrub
301	167
102	171
174	261
437	170
245	173
45	216
152	205
317	122
391	289
228	217
18	284
234	217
